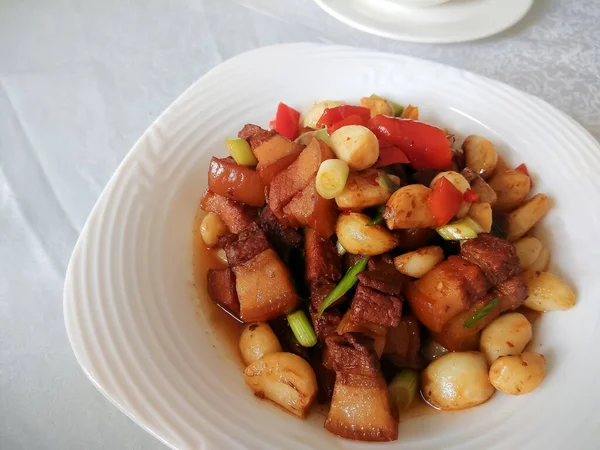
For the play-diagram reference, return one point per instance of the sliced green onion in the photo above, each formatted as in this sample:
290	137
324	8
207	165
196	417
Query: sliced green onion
241	152
398	108
305	138
340	248
386	182
465	228
403	388
470	322
302	328
378	219
345	284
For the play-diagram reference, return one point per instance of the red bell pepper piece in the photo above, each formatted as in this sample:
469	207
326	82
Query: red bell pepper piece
470	196
390	154
523	168
333	115
286	121
425	146
354	119
444	201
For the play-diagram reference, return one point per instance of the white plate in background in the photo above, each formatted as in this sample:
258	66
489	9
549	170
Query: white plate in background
129	299
454	21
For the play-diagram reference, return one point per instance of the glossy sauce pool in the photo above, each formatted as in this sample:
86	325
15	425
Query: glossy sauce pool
229	329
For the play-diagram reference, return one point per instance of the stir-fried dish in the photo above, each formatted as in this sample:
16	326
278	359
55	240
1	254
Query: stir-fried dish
372	259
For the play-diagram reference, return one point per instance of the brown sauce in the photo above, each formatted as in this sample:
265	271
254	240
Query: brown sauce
226	327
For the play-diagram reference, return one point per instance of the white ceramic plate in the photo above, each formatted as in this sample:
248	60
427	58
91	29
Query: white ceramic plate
455	21
129	298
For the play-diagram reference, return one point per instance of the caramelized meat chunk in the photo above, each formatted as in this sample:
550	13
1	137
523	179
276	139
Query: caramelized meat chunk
248	244
413	238
456	337
382	281
361	409
370	306
309	209
239	183
291	181
446	290
512	293
322	259
319	290
255	135
236	216
264	288
327	323
351	353
375	332
278	233
496	257
221	289
403	342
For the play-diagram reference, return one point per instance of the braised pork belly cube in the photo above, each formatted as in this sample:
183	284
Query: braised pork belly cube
360	406
361	409
445	291
402	343
376	332
236	216
383	281
326	324
236	182
322	259
496	257
264	288
255	135
456	336
309	209
319	290
278	233
292	180
274	149
221	289
245	245
511	293
373	307
274	155
351	353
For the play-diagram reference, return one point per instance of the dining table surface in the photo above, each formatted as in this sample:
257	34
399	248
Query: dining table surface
81	81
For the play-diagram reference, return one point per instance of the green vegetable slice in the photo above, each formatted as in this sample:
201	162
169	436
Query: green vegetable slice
302	328
345	284
305	138
340	248
397	107
465	228
470	323
403	388
386	182
378	219
241	152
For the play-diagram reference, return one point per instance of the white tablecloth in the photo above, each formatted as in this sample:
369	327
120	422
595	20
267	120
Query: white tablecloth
81	80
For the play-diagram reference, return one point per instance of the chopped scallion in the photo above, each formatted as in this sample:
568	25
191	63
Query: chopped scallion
378	219
386	182
302	328
465	228
470	322
403	388
241	152
345	284
340	248
398	108
305	138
